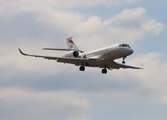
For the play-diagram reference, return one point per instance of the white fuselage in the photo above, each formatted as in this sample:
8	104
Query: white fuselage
110	52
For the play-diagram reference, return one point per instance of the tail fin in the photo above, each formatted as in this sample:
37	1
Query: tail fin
71	44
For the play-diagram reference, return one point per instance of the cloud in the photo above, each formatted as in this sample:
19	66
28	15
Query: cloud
132	1
9	8
25	104
149	83
153	77
128	26
160	99
152	26
37	4
65	95
131	25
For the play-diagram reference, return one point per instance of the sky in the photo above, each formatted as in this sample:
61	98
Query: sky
34	88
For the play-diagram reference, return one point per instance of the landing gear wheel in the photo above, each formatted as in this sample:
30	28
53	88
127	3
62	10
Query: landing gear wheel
82	68
123	62
104	71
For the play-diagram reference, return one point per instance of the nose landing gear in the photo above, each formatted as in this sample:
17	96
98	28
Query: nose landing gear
123	62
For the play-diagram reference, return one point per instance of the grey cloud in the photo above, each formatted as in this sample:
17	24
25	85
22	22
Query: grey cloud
20	104
127	24
33	110
22	28
71	81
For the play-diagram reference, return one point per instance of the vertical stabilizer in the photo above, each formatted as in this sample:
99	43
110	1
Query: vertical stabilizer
71	45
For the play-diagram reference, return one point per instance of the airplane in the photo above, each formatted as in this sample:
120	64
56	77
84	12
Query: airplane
102	58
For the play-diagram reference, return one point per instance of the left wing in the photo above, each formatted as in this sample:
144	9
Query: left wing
116	65
76	61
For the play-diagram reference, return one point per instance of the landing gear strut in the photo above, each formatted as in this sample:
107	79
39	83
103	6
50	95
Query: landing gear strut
104	71
123	62
82	68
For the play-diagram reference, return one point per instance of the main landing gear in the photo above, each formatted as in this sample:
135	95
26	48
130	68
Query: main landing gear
82	68
104	71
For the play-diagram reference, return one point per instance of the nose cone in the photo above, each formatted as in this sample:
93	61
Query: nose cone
131	51
128	52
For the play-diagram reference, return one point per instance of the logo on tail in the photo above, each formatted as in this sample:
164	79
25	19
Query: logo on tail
71	44
71	41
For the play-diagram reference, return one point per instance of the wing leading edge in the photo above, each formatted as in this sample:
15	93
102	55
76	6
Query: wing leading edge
116	65
77	61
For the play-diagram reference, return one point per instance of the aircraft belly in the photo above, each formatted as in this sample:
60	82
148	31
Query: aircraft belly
107	59
71	62
115	54
78	62
98	61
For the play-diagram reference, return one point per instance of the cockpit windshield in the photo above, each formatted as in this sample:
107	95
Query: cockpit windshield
124	45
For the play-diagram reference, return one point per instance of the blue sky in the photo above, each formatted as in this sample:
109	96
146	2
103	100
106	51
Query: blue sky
32	88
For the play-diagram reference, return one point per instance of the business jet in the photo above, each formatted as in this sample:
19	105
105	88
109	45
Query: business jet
102	58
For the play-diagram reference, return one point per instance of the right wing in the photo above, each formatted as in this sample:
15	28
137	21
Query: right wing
76	61
116	65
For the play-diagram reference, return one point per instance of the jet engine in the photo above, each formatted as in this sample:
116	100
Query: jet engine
72	54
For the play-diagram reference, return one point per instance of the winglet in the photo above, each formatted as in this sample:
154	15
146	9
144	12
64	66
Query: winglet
142	66
21	52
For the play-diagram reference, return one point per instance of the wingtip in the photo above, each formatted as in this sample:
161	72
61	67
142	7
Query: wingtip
142	66
21	52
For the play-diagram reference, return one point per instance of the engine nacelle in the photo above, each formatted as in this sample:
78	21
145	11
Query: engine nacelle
72	54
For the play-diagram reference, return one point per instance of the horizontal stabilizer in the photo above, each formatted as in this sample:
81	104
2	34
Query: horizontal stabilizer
57	49
61	49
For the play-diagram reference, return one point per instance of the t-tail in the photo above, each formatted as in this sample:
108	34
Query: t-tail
71	45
